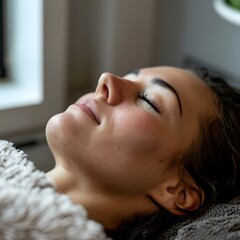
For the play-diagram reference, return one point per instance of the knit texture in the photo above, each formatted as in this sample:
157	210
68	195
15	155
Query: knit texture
218	222
30	208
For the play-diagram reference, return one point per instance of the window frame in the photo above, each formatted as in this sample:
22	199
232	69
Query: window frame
2	67
54	39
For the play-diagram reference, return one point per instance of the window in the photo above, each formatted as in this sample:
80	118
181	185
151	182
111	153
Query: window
24	85
36	55
2	67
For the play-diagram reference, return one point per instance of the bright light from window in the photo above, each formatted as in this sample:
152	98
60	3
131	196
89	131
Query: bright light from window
24	55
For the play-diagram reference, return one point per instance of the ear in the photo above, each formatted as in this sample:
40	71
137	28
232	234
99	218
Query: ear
173	195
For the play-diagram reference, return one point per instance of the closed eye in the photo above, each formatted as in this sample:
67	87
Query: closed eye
151	102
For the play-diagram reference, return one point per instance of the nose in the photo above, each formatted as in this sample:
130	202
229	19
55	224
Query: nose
111	88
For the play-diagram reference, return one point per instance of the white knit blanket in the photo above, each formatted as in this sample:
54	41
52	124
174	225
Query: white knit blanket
30	208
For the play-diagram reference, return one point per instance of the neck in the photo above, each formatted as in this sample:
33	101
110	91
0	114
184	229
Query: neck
107	209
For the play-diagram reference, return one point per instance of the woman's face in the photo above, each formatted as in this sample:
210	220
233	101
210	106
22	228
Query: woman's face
123	136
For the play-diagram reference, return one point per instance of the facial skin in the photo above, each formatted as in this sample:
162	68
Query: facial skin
113	148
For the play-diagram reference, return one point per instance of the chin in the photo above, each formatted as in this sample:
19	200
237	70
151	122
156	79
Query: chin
51	132
58	131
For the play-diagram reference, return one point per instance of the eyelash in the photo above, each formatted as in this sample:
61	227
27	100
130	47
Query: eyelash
143	96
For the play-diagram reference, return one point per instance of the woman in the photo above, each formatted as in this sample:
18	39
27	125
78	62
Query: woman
159	140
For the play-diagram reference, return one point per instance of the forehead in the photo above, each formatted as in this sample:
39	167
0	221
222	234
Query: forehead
168	73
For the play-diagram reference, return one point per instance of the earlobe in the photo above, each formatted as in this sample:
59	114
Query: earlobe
178	197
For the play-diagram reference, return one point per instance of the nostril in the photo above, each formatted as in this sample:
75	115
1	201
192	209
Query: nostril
102	90
110	88
105	91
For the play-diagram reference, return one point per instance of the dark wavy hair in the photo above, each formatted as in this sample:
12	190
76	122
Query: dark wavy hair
213	161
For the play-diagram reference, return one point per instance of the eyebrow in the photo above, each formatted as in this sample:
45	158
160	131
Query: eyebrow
166	85
162	83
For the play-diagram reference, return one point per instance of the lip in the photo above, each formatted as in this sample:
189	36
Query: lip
88	107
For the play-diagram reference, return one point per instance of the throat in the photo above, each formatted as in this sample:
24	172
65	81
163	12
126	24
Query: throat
104	207
109	210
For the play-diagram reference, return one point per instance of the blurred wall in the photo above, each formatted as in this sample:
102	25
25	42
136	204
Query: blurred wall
117	36
193	28
108	35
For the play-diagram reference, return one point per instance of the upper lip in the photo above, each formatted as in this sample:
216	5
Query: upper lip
91	105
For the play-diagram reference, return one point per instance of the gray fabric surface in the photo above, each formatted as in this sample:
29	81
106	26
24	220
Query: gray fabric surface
218	222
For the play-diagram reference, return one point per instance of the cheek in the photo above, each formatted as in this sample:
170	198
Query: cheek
142	134
138	130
